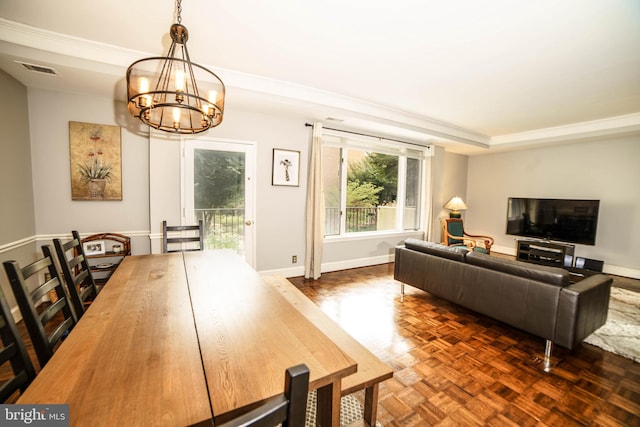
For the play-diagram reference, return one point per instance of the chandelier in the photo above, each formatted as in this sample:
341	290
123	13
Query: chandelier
172	93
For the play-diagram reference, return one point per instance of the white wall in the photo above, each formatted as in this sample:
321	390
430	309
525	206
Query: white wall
606	170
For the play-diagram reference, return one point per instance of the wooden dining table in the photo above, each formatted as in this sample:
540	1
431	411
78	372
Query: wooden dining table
183	339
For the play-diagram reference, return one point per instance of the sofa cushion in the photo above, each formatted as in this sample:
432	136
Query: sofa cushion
542	273
455	253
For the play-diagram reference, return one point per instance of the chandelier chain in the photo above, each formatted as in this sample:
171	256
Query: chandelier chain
179	3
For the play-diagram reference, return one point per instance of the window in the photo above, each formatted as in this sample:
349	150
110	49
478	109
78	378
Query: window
371	185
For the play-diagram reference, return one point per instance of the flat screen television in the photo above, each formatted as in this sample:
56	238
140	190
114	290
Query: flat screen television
563	220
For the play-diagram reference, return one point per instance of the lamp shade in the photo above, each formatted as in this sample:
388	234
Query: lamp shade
456	205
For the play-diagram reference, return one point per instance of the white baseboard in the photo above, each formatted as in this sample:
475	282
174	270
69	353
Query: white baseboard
334	266
621	271
356	263
286	272
507	250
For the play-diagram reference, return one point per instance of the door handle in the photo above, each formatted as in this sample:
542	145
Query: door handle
248	222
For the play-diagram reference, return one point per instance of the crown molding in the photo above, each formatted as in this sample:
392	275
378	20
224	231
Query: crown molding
74	47
38	38
358	108
611	126
119	58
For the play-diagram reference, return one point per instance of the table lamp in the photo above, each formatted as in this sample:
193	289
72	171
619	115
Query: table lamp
455	205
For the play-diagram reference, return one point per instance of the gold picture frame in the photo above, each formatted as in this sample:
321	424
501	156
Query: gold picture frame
96	162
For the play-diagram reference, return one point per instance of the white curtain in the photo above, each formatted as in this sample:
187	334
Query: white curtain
315	208
428	202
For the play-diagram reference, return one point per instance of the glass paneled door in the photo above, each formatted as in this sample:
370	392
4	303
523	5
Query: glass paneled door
219	190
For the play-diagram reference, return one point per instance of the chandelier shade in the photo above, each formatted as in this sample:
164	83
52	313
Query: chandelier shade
172	93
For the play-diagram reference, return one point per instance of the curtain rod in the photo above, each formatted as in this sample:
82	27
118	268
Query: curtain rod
371	136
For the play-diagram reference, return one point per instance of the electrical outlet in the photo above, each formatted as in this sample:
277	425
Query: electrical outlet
294	259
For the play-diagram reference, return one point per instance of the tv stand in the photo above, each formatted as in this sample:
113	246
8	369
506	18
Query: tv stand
545	253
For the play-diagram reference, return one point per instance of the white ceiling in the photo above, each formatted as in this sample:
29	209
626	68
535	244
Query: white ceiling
474	76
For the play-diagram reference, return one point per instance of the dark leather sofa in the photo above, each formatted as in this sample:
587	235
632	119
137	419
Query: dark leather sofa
537	299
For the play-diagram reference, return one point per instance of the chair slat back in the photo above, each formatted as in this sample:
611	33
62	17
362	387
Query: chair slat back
174	242
76	272
47	327
13	353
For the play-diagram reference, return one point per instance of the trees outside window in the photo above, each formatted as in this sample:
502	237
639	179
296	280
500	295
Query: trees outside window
219	196
372	189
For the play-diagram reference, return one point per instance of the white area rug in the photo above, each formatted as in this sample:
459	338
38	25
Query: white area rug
621	333
350	410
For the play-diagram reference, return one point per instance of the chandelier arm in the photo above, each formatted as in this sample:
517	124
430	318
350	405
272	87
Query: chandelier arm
165	75
161	115
193	78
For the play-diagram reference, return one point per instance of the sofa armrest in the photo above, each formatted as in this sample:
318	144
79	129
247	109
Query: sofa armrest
582	309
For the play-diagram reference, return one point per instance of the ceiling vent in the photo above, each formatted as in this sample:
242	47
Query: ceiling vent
42	69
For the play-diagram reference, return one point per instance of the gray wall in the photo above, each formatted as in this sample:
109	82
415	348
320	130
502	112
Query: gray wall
37	166
17	221
280	211
606	170
56	214
449	180
15	163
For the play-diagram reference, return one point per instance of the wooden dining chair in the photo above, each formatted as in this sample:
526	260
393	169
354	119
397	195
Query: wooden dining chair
288	409
172	242
455	235
76	272
47	324
13	353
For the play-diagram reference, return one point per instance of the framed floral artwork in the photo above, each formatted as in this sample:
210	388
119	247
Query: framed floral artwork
286	168
96	163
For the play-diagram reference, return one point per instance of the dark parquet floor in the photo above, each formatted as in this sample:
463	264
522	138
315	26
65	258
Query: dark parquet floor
455	367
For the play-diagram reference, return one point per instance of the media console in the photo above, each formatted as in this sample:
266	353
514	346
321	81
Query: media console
545	253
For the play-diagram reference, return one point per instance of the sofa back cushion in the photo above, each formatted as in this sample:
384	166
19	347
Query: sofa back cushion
436	249
542	273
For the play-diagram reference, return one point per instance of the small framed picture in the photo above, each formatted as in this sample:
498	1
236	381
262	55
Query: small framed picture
286	168
94	247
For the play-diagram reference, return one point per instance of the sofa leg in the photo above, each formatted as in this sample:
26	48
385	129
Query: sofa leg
546	361
547	356
401	292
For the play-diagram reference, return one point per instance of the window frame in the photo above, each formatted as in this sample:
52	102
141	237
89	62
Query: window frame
346	141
